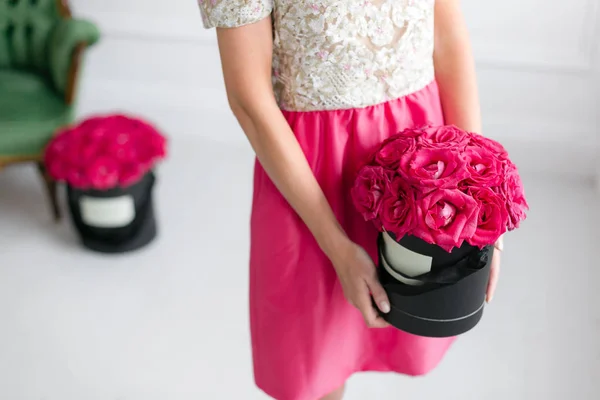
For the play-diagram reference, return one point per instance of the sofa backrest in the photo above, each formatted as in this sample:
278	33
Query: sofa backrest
25	29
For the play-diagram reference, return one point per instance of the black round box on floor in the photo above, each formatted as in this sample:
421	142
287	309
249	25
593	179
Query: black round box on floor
117	220
446	301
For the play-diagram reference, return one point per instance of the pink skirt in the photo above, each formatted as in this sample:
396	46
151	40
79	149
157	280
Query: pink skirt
306	338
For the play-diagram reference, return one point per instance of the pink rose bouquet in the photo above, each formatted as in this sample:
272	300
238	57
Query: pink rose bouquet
442	185
105	152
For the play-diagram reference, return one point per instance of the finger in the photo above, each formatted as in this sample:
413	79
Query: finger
494	276
379	294
378	323
365	306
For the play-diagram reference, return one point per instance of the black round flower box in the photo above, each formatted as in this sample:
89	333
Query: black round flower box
117	220
446	301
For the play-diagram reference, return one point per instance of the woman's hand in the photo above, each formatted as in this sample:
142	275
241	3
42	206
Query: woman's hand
358	276
495	269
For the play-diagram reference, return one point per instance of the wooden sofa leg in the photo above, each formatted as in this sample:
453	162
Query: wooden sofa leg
51	188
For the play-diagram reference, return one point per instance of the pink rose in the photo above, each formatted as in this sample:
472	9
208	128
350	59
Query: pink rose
415	132
98	134
516	202
58	170
485	170
123	153
444	137
88	152
73	150
496	148
76	178
103	173
130	174
446	218
392	151
493	217
397	211
157	144
368	191
58	146
54	156
122	138
429	169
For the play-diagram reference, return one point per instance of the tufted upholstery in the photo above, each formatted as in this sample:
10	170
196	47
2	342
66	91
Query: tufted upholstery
40	51
38	39
26	26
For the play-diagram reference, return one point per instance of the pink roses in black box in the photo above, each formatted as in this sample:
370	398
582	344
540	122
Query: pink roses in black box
440	197
108	163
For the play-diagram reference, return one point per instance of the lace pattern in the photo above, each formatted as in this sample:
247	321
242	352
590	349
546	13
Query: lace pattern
233	13
339	54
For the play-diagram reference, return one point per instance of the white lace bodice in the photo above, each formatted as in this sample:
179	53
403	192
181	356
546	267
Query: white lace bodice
339	54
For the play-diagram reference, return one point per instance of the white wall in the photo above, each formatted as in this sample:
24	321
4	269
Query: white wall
535	60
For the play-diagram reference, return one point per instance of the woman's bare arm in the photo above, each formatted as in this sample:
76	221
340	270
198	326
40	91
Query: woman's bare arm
246	54
455	67
456	77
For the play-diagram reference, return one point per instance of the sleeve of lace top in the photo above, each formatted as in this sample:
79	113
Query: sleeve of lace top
233	13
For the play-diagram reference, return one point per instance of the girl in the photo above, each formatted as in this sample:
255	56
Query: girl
316	85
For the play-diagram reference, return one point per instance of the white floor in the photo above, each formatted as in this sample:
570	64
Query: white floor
170	322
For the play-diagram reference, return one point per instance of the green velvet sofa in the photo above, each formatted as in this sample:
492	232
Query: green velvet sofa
41	49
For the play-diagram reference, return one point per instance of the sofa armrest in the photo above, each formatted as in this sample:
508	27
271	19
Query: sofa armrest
67	42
